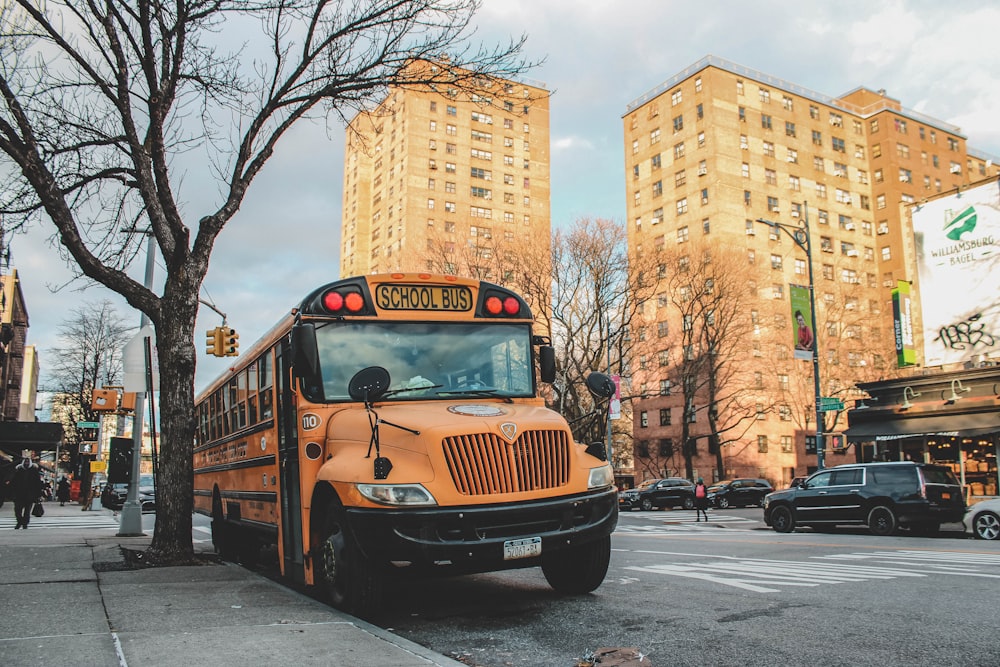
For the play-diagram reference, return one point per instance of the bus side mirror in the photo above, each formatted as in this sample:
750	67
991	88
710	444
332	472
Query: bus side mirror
547	363
600	385
305	357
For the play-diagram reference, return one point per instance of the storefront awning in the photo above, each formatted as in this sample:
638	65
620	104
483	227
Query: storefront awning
36	436
965	426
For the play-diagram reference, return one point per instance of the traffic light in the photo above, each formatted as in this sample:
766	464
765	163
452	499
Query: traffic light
213	342
120	460
230	343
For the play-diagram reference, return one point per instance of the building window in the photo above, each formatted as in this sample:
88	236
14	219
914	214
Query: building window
762	444
678	124
643	419
654	136
664	416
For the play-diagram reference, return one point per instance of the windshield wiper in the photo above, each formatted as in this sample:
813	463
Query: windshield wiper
402	390
475	391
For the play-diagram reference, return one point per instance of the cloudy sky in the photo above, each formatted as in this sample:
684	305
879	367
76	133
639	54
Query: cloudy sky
936	58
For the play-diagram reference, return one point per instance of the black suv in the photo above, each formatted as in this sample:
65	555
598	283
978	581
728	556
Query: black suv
114	495
655	493
739	493
882	496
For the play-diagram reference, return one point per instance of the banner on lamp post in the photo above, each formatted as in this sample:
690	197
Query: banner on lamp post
906	353
802	315
615	409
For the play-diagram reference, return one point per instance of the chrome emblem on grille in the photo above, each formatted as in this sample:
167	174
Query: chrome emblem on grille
509	431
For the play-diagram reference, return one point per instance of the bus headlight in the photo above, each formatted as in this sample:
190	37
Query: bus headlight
600	477
397	494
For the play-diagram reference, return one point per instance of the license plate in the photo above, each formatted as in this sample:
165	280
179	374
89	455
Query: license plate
946	496
526	548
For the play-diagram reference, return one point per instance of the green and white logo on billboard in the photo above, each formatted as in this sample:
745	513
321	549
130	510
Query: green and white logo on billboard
961	223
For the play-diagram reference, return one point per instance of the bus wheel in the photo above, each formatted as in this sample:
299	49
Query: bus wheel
351	582
223	535
578	569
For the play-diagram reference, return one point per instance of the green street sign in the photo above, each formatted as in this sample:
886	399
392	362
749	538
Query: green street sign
87	425
827	404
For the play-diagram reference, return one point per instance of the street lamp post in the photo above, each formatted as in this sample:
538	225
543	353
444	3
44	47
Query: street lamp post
131	517
800	236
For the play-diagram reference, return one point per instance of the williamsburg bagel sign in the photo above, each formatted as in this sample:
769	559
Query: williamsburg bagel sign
958	266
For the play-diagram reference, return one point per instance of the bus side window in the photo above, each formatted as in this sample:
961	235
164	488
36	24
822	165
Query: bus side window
265	380
252	393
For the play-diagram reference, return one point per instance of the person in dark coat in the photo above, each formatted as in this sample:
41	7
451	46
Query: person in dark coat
62	490
26	487
700	500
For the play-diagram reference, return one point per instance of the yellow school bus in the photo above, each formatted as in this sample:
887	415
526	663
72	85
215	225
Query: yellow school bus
391	425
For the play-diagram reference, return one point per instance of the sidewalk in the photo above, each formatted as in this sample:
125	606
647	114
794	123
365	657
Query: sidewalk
67	600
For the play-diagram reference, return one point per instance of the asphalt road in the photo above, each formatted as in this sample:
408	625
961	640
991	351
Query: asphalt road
730	592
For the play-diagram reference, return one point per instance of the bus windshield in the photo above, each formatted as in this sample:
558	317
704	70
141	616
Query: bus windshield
428	360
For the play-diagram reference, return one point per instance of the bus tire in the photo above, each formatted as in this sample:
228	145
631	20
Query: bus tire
579	569
352	583
224	537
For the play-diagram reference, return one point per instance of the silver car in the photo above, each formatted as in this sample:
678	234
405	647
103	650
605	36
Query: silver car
983	519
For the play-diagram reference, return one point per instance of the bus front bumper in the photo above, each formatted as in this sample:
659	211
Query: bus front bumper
473	538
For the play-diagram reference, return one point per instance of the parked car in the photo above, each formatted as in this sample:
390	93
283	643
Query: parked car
114	495
739	492
882	496
983	519
657	493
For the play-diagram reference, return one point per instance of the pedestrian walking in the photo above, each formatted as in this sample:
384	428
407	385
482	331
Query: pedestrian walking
700	500
26	487
62	490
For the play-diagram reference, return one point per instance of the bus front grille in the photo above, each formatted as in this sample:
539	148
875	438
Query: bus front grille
485	464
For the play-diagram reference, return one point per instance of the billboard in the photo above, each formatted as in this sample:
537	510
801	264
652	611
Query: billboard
802	315
958	266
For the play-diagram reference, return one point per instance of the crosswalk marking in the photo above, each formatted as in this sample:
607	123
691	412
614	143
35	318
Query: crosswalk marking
769	576
686	521
933	557
84	520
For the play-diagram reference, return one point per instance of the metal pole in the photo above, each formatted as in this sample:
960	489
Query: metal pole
611	459
131	521
817	386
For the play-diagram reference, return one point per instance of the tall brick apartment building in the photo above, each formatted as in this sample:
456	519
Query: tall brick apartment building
717	147
438	178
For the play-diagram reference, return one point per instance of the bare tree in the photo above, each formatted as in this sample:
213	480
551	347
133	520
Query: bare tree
101	101
705	320
90	356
